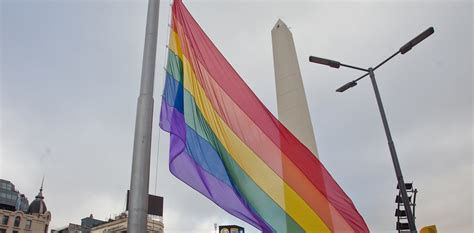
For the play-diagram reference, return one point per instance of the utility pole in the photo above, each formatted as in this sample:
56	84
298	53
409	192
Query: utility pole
139	182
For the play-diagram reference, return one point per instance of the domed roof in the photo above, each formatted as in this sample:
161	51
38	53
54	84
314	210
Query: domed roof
38	206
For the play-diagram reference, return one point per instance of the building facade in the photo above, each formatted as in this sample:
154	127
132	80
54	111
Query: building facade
90	222
71	228
87	224
11	199
17	216
119	224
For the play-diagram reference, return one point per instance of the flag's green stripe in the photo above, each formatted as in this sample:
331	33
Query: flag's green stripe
175	66
257	198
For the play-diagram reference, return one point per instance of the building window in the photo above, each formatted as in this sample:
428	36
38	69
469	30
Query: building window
17	221
28	225
3	230
5	220
15	231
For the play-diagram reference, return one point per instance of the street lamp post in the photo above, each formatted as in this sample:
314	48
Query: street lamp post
370	71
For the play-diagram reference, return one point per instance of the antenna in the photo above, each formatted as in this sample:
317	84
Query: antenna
42	182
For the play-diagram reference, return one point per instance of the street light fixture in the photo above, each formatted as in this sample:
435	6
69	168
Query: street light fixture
370	71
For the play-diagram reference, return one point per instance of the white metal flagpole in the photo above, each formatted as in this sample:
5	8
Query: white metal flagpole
139	182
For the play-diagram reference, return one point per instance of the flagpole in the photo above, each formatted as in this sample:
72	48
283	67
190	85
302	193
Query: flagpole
139	182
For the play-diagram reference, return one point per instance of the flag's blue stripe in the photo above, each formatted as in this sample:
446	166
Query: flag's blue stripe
202	144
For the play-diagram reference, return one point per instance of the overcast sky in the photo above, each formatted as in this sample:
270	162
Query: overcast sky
70	74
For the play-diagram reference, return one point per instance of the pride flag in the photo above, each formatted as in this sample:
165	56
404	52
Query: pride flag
227	145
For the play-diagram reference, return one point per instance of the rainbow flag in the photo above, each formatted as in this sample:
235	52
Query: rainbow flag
227	145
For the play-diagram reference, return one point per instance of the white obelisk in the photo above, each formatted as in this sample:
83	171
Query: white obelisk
293	109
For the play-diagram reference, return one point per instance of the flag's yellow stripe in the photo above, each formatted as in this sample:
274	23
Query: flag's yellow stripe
260	143
263	176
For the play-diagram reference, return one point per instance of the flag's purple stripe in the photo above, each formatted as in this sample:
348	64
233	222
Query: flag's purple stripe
210	154
183	166
209	163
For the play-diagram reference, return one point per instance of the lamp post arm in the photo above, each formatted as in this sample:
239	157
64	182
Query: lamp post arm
379	65
386	60
353	67
352	83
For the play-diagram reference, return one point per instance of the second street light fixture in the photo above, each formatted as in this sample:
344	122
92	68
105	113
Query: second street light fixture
370	71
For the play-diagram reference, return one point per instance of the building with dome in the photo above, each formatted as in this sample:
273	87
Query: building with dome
17	216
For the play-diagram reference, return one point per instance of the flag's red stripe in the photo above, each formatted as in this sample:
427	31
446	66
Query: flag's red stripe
228	79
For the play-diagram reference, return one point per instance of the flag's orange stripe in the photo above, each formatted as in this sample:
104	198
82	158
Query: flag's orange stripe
252	135
226	77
